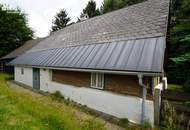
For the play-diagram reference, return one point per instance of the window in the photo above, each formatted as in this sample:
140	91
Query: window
22	70
97	80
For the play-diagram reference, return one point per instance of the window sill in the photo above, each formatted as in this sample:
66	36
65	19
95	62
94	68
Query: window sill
97	88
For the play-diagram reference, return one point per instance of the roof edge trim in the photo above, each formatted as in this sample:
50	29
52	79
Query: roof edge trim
101	71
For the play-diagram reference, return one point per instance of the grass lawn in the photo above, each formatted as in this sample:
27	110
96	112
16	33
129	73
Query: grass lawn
175	87
20	110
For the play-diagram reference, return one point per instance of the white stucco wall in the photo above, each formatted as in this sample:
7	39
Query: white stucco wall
25	78
107	102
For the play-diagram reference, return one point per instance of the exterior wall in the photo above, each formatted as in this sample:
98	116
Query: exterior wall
123	84
25	78
120	84
114	104
80	79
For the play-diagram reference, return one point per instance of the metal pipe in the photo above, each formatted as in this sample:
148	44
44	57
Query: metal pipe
143	97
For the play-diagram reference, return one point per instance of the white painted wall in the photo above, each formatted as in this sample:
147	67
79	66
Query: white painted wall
25	78
107	102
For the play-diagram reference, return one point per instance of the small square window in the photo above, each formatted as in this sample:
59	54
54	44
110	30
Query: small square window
97	80
22	70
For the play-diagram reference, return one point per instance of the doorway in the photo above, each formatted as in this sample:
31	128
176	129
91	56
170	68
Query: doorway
36	78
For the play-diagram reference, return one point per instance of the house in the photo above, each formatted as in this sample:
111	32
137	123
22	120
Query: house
17	52
111	63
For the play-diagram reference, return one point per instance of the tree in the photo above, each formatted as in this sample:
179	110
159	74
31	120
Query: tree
179	66
110	5
14	30
91	9
61	20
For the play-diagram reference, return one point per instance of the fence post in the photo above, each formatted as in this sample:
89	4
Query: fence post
157	105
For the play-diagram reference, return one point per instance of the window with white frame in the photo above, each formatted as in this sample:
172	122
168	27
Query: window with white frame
97	80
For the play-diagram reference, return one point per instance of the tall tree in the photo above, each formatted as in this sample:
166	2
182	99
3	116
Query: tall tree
91	9
110	5
179	65
14	30
60	21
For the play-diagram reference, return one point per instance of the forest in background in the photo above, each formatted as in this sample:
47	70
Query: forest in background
178	70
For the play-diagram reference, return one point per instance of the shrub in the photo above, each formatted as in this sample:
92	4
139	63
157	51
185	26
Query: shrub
57	96
169	115
146	125
67	101
124	122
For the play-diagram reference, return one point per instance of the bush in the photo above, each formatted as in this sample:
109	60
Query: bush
124	122
169	116
57	96
146	126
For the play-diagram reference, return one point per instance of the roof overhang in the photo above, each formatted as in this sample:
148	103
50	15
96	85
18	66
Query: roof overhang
132	56
120	72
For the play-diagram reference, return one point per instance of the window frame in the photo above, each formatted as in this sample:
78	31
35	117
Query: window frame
98	78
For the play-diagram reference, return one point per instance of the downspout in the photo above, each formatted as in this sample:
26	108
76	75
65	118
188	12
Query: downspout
140	76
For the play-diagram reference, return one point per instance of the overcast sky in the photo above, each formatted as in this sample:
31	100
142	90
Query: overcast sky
41	12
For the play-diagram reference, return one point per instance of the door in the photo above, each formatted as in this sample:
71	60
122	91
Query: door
36	78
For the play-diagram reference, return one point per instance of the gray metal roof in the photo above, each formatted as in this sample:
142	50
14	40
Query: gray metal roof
130	39
144	55
143	20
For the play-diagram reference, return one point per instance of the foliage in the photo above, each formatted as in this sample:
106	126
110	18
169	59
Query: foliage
124	122
14	30
91	9
24	110
169	115
60	21
171	119
187	84
147	126
179	68
174	87
107	6
57	96
110	5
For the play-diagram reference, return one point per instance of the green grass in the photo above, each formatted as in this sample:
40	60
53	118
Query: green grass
175	87
21	110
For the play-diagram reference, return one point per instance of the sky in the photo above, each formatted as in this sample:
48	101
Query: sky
40	13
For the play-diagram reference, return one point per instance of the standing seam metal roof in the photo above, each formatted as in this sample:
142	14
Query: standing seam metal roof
133	55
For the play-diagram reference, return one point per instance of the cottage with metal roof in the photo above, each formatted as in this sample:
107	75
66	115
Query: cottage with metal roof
111	63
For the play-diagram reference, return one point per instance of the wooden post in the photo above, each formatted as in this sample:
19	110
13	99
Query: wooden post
157	105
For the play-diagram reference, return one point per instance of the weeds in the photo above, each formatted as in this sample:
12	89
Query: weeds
172	120
124	122
147	126
57	96
169	115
